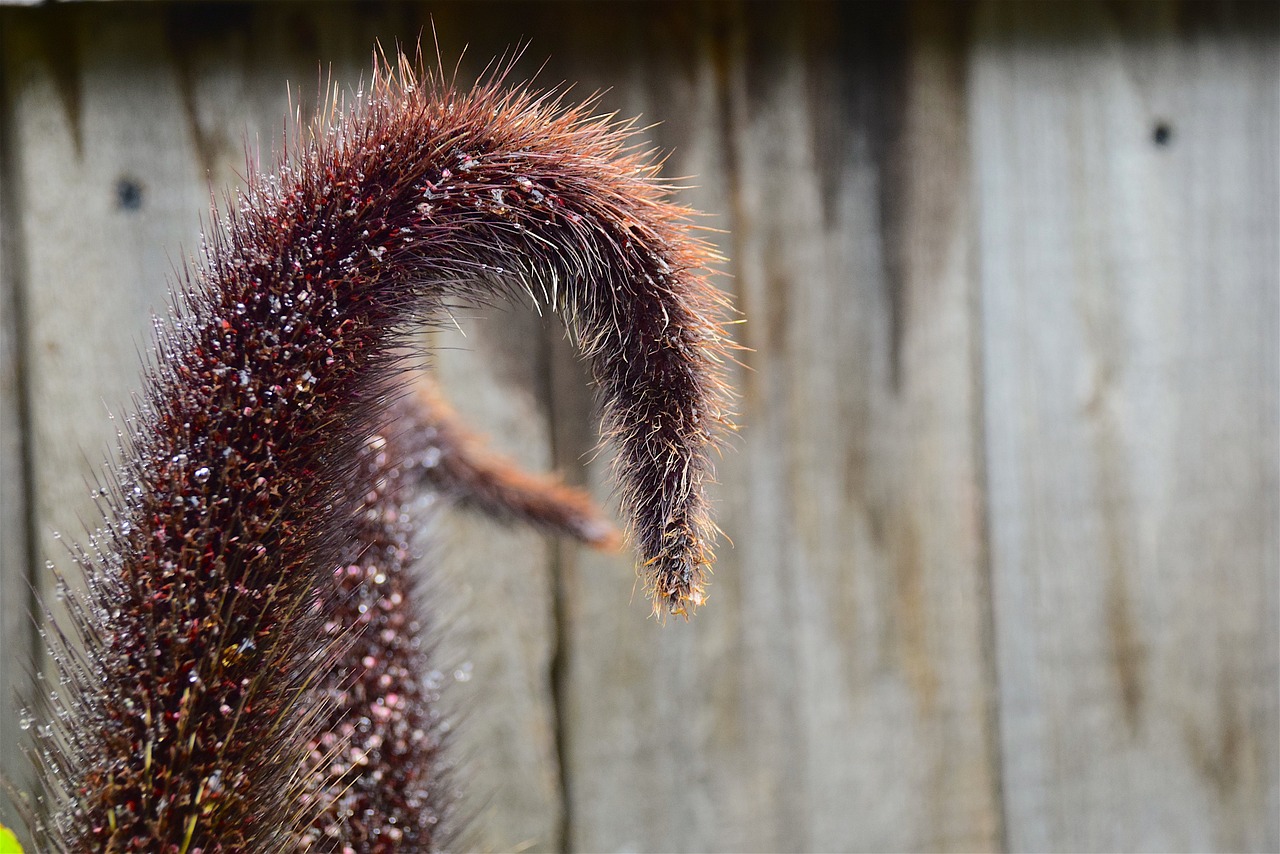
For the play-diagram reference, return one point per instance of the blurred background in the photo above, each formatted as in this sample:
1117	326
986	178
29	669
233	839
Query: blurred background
1004	505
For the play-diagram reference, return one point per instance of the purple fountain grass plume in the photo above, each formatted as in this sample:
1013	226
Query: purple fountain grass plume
183	722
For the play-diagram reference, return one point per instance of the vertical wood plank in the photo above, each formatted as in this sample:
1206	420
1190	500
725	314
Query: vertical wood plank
498	637
833	694
109	201
83	264
17	656
1129	291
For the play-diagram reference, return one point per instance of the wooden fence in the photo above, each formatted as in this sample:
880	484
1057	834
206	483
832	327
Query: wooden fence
1004	504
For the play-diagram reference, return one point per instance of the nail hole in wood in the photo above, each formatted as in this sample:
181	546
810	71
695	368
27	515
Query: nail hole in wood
128	194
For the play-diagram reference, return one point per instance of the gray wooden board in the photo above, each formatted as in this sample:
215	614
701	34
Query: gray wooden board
1129	292
833	694
983	304
498	632
17	656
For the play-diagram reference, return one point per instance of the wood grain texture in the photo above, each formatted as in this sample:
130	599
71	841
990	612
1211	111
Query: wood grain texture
1129	299
1006	560
498	634
18	656
833	696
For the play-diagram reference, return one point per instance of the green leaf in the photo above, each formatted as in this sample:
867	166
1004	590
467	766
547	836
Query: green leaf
8	842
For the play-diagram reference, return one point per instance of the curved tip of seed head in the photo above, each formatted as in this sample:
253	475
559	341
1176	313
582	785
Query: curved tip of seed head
678	585
684	603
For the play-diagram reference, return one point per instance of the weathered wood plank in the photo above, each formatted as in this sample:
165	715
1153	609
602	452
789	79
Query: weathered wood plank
833	695
106	204
883	175
498	632
17	656
1126	167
